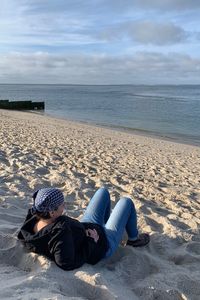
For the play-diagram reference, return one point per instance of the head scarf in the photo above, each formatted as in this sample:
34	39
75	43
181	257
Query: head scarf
47	199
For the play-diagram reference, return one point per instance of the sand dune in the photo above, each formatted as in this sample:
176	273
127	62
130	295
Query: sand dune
161	177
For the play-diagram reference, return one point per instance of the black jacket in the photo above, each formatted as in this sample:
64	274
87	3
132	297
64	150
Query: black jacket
64	241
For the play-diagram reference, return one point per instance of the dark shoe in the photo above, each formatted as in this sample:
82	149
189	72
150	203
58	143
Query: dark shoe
142	240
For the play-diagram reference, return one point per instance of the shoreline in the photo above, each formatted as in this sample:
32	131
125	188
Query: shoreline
112	128
179	139
161	121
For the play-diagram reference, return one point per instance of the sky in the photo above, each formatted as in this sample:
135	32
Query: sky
100	41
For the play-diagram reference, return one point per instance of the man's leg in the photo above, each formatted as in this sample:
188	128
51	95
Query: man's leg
122	217
98	209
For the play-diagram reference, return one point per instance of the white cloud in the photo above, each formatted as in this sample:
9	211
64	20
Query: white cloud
70	31
139	68
169	4
41	24
49	23
95	7
147	32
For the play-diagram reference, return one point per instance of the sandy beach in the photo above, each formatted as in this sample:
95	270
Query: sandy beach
162	178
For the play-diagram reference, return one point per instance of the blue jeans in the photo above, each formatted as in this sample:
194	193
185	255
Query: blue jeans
123	217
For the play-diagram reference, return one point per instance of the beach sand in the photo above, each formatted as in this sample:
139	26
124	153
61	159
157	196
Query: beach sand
162	178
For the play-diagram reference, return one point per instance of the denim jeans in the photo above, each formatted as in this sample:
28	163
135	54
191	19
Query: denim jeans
123	217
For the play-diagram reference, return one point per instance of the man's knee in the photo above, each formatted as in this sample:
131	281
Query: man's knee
128	200
103	190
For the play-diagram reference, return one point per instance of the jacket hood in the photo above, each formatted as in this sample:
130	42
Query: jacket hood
26	233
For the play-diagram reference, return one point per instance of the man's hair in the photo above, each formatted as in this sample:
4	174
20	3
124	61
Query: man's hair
43	215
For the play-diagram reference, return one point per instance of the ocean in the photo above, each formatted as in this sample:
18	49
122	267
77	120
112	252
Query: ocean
166	111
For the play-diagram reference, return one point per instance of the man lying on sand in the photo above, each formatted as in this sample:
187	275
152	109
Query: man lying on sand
71	243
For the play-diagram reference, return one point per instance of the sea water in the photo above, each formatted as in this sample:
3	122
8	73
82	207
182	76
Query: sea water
167	111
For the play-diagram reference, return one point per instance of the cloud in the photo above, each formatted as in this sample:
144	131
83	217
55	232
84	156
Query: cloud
148	32
164	5
31	25
140	68
169	4
77	41
36	24
88	6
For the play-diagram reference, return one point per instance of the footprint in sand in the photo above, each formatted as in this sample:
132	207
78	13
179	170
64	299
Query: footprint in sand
155	226
3	159
14	165
186	259
193	247
196	237
136	266
161	211
145	210
179	224
41	171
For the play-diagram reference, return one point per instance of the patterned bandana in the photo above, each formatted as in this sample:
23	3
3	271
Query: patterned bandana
47	199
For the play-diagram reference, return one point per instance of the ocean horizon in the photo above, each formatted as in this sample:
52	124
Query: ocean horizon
166	111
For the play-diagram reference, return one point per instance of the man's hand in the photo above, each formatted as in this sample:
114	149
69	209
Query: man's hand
93	234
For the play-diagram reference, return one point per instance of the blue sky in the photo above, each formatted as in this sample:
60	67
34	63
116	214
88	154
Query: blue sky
100	41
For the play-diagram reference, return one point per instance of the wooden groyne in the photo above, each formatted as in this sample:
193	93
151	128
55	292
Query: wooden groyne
21	105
